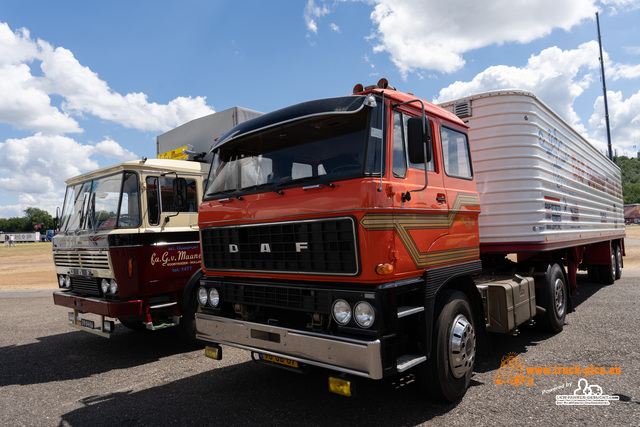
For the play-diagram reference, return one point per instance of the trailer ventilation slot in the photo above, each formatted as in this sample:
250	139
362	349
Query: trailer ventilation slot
462	109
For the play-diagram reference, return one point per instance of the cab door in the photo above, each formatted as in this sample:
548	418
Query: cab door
420	214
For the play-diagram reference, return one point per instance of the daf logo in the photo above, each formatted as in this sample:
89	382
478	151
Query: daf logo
266	247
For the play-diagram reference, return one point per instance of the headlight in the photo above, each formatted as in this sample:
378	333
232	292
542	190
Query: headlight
341	311
104	285
61	281
113	287
214	297
363	314
202	295
67	282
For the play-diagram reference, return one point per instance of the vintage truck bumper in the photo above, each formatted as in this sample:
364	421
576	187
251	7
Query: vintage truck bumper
99	306
352	356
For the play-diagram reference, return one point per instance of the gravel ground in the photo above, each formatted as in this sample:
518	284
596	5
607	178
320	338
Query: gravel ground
52	375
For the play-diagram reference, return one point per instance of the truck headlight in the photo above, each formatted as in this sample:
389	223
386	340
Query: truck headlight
67	282
202	295
341	311
61	281
104	286
214	297
113	287
363	314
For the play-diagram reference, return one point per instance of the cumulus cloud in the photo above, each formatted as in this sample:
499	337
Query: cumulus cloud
311	13
624	118
434	35
556	76
34	168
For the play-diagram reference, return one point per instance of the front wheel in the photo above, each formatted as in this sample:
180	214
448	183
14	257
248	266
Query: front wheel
446	376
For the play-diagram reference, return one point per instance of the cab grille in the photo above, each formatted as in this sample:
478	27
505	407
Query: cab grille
321	247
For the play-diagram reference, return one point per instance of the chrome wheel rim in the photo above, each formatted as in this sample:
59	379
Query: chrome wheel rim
559	297
462	346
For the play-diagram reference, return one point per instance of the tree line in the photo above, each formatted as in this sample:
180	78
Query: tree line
630	169
34	219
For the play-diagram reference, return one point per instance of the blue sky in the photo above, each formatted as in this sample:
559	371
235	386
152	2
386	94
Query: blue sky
89	84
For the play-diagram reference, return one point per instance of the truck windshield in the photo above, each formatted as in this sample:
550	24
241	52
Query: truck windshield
321	148
102	203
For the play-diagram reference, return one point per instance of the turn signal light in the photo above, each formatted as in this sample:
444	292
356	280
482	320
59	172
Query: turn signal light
383	269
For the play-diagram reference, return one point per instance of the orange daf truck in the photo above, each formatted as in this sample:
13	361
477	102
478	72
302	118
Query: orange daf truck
378	234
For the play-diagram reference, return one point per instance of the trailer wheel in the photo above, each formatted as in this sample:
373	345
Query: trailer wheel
553	296
618	253
446	376
608	272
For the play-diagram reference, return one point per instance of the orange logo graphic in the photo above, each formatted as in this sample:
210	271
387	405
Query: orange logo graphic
511	371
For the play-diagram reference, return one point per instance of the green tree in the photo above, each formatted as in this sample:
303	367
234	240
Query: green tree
35	216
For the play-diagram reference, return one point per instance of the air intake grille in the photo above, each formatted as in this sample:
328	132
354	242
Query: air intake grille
82	259
325	247
300	299
85	285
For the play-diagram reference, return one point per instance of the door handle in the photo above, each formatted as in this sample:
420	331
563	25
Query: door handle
441	198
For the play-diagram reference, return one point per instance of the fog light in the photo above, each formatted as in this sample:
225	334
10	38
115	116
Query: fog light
340	386
108	325
104	286
363	314
341	311
202	295
214	297
113	287
213	352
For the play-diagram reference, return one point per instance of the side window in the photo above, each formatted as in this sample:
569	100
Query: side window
455	153
400	154
399	146
160	197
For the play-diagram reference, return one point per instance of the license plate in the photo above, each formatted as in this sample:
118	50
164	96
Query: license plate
279	360
86	323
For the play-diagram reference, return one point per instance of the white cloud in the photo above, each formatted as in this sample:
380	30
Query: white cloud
434	35
34	168
26	103
556	76
624	116
311	13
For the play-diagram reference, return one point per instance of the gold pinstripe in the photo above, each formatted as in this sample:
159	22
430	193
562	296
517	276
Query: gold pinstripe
402	223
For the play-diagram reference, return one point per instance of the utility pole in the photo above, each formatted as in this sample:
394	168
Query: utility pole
604	89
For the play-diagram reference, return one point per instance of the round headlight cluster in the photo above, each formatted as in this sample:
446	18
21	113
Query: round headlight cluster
109	286
210	297
363	313
64	281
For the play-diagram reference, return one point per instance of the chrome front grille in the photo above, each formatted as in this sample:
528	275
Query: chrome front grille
82	259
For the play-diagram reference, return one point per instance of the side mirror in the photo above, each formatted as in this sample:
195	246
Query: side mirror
419	136
180	194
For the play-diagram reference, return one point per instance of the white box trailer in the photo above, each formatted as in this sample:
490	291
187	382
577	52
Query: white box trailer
197	136
542	186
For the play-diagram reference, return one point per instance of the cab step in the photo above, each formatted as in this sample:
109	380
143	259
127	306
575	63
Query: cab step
408	361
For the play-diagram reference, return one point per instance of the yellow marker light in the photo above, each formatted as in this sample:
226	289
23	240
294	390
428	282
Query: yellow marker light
340	386
383	269
213	352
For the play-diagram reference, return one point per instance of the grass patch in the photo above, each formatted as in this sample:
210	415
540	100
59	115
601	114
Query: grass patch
25	251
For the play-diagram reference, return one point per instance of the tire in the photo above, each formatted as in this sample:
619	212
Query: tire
187	326
618	255
608	272
554	299
446	376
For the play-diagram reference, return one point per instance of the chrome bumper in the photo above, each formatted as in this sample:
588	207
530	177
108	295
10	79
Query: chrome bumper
356	357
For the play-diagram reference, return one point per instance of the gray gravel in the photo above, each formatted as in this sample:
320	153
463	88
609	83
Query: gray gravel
53	375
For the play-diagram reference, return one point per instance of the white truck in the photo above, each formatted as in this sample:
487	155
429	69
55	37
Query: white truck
128	245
